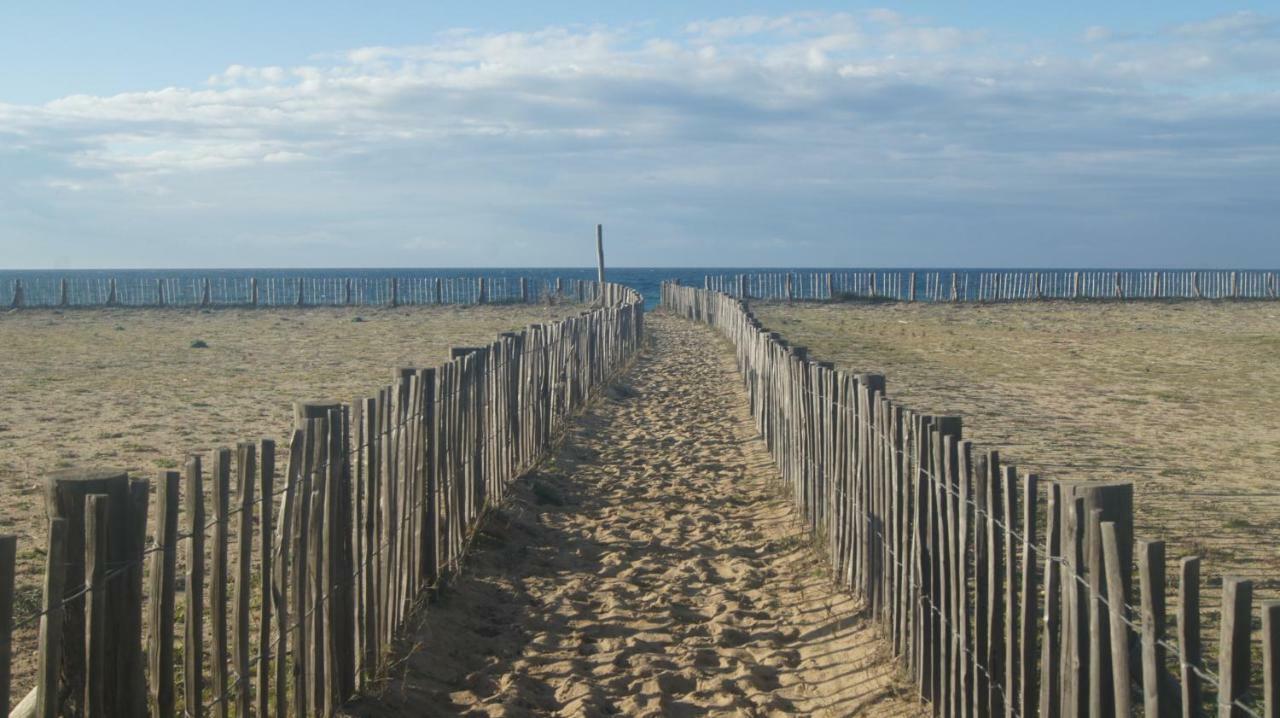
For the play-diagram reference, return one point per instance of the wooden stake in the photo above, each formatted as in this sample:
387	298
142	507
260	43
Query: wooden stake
1119	629
1234	657
219	580
193	640
163	575
96	619
1271	659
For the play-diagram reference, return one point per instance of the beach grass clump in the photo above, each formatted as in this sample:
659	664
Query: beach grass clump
199	344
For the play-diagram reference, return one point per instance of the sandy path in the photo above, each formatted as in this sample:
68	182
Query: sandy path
649	570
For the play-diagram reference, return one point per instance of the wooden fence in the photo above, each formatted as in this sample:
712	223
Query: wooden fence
372	511
1002	595
292	291
980	286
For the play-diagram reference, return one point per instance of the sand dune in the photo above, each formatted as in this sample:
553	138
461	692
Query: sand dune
649	570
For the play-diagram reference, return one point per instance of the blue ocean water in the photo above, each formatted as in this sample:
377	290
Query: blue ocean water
137	286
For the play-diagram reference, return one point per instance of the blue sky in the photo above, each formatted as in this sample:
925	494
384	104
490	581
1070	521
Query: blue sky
749	133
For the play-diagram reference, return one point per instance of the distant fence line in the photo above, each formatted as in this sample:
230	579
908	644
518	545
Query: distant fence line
1003	595
996	286
311	574
291	291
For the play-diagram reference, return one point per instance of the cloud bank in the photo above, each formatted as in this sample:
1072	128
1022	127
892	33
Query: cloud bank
866	139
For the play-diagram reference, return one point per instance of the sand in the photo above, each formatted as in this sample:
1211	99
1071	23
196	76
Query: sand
649	569
1181	398
124	388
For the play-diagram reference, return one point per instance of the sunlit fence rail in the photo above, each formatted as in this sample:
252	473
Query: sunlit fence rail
1002	594
276	291
278	592
983	286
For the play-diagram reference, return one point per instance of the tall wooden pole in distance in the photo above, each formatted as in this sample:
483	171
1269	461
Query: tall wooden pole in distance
600	253
600	262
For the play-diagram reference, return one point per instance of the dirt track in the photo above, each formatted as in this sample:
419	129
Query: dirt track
650	569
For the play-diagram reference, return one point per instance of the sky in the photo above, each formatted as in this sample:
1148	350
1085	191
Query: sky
700	134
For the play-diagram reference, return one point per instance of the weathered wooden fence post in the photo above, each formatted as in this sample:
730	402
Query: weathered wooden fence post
392	289
524	290
193	629
8	565
111	293
300	300
1189	652
219	582
246	470
266	479
253	291
1271	659
1083	639
482	292
53	617
1155	684
63	299
205	298
65	496
347	295
163	575
96	544
1119	620
1234	654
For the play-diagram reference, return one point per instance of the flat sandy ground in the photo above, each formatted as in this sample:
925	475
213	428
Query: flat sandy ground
124	388
1183	399
651	569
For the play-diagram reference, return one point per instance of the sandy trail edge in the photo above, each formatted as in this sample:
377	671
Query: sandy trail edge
651	569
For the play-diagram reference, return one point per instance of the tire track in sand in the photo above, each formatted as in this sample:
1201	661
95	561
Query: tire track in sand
651	569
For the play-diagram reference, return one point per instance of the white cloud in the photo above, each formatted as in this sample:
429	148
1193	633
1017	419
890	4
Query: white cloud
776	119
1097	33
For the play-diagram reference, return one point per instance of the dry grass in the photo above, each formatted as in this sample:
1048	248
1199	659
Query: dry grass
1183	399
127	388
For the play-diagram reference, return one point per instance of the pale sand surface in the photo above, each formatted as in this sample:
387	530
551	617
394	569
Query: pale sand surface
1183	399
123	388
650	569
